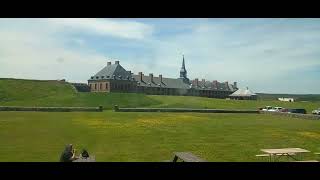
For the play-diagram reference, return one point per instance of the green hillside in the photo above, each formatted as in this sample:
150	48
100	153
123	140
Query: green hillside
15	92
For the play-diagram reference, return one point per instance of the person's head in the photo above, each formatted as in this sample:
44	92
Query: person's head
84	153
69	148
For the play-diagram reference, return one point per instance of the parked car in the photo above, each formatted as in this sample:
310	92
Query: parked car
284	110
300	111
267	108
317	111
276	109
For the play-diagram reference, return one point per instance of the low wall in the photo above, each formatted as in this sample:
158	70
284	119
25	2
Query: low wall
52	109
117	109
295	115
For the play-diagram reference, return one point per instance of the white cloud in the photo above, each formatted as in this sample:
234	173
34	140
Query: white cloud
38	48
109	27
34	55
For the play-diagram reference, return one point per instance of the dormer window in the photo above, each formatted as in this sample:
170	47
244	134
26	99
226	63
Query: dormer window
108	76
97	77
102	77
91	77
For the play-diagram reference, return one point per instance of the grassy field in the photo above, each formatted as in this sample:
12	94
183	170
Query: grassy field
115	136
52	93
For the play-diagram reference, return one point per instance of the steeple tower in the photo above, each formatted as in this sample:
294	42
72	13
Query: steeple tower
183	71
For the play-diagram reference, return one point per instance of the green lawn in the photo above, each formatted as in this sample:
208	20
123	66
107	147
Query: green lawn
116	136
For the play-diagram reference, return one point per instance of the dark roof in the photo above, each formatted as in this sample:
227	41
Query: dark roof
207	85
166	82
112	71
179	83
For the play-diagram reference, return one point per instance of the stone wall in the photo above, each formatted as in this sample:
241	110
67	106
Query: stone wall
52	109
117	109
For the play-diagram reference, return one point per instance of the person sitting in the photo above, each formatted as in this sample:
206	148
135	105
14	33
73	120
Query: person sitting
68	155
84	154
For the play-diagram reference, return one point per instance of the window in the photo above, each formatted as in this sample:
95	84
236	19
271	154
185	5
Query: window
95	86
100	86
106	85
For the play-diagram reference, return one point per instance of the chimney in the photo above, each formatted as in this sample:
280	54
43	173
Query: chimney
116	62
197	82
160	76
129	72
227	84
151	77
140	76
203	82
235	84
108	63
215	84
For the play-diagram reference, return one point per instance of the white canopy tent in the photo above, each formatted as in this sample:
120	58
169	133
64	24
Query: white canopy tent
243	94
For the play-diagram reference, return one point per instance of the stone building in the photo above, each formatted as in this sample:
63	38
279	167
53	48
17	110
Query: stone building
114	78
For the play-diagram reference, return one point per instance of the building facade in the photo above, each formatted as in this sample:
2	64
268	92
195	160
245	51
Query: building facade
114	78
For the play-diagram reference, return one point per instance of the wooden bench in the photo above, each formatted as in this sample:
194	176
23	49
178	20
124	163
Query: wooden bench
262	155
269	156
186	157
307	161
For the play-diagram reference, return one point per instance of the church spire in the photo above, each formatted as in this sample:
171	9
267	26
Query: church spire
183	71
183	67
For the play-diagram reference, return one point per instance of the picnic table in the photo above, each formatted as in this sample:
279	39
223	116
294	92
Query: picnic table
186	157
89	159
287	152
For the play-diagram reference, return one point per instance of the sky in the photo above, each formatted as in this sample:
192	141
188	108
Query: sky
267	55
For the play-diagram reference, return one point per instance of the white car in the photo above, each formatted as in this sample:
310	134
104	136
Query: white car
267	108
276	109
317	111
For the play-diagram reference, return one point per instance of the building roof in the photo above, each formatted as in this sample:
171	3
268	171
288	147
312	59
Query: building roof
218	86
166	82
243	93
113	71
180	84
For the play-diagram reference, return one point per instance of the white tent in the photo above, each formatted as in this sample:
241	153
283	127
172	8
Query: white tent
243	94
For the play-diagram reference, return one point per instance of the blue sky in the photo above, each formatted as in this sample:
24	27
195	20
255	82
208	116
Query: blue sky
267	55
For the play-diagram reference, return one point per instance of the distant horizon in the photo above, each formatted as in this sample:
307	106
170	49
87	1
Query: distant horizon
267	55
